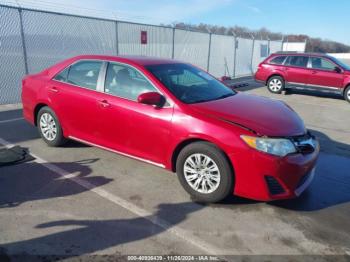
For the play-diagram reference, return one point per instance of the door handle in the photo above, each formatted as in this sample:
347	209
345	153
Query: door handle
104	103
54	89
314	72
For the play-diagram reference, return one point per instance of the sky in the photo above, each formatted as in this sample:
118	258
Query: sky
318	18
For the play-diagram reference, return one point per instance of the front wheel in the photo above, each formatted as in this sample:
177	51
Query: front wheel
49	127
347	94
275	84
204	172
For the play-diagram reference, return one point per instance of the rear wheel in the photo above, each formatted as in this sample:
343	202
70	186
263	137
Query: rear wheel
347	94
204	172
275	84
49	127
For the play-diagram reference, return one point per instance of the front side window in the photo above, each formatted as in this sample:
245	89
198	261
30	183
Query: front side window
84	74
124	81
322	64
62	76
278	60
298	61
190	84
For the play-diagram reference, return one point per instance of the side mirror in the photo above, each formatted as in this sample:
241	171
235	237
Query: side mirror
337	69
151	98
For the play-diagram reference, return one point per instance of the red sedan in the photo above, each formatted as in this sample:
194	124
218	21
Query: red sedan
178	117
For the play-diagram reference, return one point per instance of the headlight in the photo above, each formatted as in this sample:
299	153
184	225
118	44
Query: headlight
273	146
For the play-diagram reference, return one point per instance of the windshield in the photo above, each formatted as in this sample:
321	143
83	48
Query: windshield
189	84
343	65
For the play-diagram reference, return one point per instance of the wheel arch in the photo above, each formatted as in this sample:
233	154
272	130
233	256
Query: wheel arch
36	111
188	141
347	85
275	74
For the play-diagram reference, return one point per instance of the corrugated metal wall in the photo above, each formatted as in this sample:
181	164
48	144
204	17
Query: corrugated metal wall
159	40
47	38
222	55
192	47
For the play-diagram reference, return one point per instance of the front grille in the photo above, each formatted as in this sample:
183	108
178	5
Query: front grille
274	186
305	144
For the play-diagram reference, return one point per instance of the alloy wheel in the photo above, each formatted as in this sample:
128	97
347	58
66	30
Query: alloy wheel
202	173
48	126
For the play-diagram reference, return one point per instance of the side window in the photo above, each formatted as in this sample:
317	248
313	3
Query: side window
321	63
278	60
62	76
126	82
299	61
84	74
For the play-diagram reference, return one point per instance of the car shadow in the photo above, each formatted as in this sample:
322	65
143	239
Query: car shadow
79	237
31	181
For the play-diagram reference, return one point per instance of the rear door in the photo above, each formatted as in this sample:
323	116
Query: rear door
323	74
74	94
296	70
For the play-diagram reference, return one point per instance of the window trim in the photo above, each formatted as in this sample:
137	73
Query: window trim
98	83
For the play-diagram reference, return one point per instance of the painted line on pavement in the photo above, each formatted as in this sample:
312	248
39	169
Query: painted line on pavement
175	230
11	120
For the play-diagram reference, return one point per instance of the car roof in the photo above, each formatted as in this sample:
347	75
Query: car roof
140	60
302	53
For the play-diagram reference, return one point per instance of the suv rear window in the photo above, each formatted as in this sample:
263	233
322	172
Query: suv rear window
299	61
278	60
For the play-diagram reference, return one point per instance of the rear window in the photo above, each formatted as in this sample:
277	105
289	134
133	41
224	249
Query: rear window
299	61
278	60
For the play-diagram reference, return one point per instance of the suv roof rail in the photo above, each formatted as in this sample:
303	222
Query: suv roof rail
300	52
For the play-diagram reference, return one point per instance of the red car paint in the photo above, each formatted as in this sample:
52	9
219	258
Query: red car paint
156	134
308	77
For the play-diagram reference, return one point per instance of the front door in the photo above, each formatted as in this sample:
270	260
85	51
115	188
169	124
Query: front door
128	126
324	74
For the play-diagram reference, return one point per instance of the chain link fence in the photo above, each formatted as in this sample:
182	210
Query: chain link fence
32	40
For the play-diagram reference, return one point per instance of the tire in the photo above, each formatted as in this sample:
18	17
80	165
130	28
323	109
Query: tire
221	180
47	119
275	84
347	94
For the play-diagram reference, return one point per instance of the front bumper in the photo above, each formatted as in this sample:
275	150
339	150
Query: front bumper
265	177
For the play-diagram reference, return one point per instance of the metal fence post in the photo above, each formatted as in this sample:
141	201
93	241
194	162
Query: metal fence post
208	61
173	47
116	37
268	47
23	42
234	55
252	58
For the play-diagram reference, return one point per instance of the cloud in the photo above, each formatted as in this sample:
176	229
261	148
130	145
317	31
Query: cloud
254	9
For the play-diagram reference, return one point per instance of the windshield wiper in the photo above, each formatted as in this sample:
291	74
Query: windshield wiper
224	96
208	100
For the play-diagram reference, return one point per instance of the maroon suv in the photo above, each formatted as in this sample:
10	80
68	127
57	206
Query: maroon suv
304	70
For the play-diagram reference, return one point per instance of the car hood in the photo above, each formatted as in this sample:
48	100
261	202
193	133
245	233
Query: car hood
262	115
